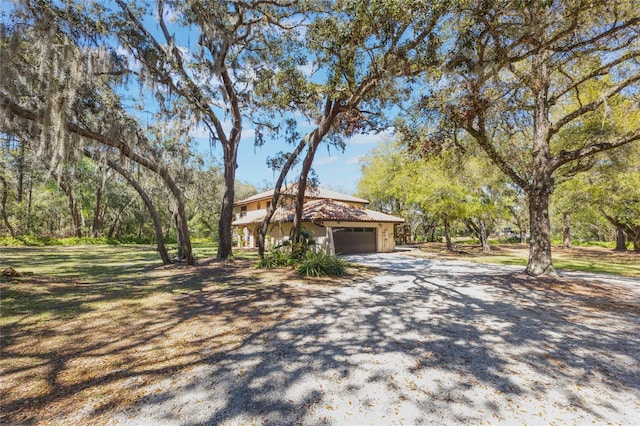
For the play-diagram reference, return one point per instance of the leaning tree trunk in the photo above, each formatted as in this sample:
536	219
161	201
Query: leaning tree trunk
331	111
540	226
3	207
264	226
621	239
302	187
566	231
157	225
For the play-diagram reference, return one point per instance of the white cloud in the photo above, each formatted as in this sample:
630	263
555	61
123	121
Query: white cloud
354	160
323	161
371	138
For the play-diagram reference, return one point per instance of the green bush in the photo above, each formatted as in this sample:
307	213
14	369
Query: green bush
321	265
274	258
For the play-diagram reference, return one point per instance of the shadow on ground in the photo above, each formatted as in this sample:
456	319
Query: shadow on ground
423	342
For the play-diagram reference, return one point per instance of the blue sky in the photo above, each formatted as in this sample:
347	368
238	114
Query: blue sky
336	170
339	171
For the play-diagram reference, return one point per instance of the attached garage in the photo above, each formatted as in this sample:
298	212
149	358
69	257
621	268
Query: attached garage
354	240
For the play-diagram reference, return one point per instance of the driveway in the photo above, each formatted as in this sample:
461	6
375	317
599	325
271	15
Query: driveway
427	342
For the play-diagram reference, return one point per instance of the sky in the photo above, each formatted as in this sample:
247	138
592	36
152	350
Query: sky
336	170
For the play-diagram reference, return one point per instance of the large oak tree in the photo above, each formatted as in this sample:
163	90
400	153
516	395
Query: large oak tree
522	73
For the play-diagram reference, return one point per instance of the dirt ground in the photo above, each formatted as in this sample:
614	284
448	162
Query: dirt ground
73	351
78	353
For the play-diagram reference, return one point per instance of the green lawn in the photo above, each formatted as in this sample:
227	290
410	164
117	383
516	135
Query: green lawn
583	259
97	263
86	327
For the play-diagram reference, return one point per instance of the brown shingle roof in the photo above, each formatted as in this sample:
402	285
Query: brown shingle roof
322	210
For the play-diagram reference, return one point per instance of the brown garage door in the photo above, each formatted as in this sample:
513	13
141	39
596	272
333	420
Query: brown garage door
354	240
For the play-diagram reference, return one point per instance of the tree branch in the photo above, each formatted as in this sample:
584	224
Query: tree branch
592	106
566	156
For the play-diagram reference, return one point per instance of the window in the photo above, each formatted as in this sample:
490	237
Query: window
243	211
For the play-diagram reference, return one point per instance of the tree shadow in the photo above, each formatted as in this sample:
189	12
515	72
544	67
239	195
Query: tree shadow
420	343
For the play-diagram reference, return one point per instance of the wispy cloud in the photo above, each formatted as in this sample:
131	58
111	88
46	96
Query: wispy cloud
354	160
371	138
323	161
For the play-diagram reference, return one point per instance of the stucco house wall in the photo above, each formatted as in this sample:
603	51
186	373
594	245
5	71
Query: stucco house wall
323	215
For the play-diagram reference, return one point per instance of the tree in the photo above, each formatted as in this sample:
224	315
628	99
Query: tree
361	50
56	94
451	188
210	82
614	187
522	74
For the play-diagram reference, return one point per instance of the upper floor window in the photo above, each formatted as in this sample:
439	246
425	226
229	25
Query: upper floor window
243	211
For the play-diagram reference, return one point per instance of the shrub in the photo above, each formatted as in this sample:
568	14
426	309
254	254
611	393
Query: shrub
275	258
321	265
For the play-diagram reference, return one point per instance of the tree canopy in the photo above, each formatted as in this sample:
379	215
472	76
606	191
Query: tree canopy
546	92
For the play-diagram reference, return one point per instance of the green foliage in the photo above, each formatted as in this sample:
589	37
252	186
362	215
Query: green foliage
34	241
37	241
305	261
274	258
320	265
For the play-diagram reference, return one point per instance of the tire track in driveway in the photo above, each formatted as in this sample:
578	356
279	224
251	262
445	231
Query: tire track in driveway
425	341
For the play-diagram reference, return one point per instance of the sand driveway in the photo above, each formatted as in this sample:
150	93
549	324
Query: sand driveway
427	342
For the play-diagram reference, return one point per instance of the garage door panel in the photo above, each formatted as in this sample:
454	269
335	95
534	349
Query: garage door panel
349	240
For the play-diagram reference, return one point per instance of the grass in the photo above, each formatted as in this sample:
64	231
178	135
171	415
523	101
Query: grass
594	259
86	328
89	329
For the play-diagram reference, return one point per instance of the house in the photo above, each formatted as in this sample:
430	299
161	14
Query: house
339	223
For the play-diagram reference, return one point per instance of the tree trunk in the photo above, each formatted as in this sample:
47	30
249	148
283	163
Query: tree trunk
73	207
447	235
523	234
541	188
21	166
3	207
621	239
331	111
157	225
225	241
566	232
484	238
634	235
302	187
96	226
522	229
275	199
29	203
540	226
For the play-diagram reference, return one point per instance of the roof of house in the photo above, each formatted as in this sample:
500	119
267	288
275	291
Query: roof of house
310	193
321	210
